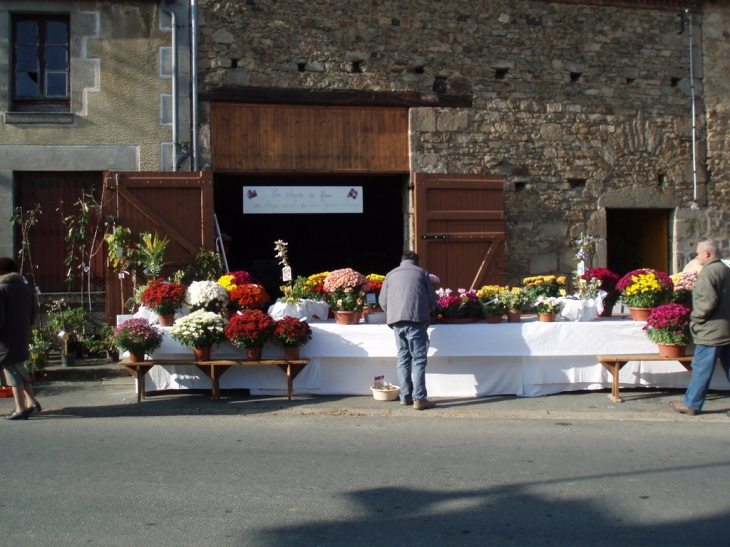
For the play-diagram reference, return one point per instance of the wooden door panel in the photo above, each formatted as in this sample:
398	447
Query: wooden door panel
460	228
175	205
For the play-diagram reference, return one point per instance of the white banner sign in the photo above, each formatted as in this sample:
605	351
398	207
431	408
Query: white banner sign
278	200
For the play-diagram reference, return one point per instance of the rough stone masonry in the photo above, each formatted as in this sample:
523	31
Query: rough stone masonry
581	107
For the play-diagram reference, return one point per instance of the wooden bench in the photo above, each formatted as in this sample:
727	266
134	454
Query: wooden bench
214	370
613	364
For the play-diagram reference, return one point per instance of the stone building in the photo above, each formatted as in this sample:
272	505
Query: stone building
577	116
86	89
584	108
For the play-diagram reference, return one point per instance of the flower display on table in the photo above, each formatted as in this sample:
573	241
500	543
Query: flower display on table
314	286
250	329
548	304
199	329
291	332
249	297
644	288
544	285
231	280
137	336
464	305
163	297
608	281
488	297
683	283
346	289
206	295
669	324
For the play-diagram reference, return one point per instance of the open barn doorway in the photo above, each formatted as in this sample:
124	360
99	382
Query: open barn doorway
638	238
369	242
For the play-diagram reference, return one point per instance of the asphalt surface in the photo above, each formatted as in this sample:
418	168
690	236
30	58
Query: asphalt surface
95	387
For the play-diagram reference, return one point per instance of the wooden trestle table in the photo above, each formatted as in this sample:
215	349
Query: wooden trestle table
613	364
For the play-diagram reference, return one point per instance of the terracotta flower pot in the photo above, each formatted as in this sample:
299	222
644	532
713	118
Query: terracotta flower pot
459	320
514	316
640	314
347	317
671	350
292	353
546	317
494	319
136	357
202	353
254	354
167	319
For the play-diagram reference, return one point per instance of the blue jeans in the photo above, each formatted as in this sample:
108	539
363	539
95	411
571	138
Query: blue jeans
411	341
703	365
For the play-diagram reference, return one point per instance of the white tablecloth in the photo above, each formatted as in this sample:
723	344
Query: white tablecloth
529	358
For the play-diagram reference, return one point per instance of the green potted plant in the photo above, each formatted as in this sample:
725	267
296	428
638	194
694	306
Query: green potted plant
201	330
291	333
138	337
547	307
103	343
69	325
38	360
668	327
250	329
513	301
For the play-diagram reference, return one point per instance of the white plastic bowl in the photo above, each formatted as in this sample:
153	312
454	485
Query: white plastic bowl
385	394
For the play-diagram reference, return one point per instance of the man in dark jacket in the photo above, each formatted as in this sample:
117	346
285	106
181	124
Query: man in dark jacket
408	296
710	326
16	317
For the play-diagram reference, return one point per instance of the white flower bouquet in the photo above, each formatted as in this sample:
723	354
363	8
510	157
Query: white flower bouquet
206	295
200	328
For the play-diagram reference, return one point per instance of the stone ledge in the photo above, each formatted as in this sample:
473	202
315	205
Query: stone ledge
54	118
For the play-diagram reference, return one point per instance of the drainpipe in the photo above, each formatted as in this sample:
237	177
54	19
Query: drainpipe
194	81
687	22
173	24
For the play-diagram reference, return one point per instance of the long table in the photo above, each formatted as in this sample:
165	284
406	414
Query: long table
530	358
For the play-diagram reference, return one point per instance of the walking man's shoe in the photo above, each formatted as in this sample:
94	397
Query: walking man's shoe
407	402
680	407
423	404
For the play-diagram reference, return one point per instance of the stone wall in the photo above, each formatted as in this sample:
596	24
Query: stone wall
580	107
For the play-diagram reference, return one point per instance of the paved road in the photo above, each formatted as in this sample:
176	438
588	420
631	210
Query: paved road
570	470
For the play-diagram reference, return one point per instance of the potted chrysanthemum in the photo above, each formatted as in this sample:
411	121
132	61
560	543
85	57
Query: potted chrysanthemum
164	298
683	284
644	289
206	295
668	327
138	337
291	333
202	330
249	296
250	329
345	290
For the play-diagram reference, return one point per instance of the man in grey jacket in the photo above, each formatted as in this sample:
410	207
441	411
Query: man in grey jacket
408	296
710	326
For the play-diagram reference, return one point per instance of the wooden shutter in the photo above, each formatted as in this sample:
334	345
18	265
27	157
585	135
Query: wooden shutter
176	205
460	228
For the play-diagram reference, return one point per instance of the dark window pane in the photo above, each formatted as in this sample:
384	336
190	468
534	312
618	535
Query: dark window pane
56	84
56	58
27	59
57	33
26	84
27	32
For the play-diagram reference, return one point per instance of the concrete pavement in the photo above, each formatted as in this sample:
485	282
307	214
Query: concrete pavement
95	388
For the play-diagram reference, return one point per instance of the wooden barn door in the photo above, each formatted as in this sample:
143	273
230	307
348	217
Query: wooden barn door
175	205
460	228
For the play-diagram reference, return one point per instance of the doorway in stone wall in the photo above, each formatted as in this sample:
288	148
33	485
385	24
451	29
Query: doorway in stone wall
637	238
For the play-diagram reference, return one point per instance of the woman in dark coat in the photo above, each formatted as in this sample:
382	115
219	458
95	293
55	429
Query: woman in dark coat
16	317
